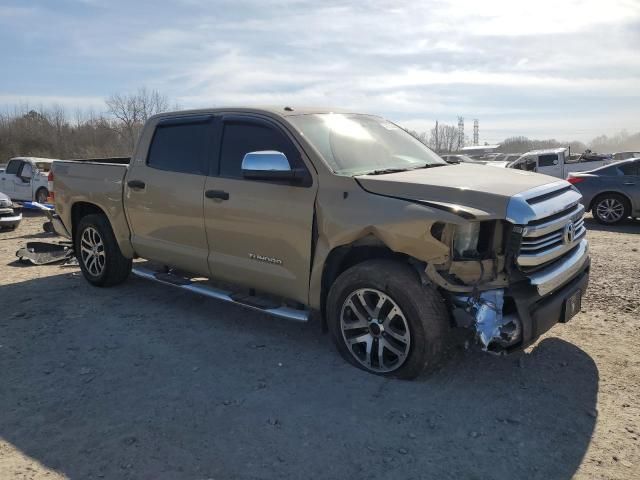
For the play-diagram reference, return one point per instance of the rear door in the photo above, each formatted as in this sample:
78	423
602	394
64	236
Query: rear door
260	233
164	195
631	184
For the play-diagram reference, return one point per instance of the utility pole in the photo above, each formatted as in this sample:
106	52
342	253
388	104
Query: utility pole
476	132
460	133
437	141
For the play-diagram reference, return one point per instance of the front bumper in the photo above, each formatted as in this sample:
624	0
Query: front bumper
538	313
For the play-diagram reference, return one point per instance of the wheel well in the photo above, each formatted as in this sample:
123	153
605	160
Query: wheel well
82	209
611	192
344	257
39	190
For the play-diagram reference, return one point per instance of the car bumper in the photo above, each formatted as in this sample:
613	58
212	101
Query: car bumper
538	313
10	220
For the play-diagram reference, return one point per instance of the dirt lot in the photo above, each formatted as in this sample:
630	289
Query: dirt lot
144	381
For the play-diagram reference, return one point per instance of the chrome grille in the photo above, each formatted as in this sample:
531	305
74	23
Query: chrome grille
553	228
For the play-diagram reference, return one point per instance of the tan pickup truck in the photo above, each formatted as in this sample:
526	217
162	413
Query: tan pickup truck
291	212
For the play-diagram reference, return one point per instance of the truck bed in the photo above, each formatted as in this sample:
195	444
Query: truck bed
94	182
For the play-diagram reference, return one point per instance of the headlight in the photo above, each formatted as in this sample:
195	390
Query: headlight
465	240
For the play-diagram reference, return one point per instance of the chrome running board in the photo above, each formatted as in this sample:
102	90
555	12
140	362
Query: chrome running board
202	288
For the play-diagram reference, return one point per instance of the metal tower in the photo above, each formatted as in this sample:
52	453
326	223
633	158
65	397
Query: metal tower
460	132
476	132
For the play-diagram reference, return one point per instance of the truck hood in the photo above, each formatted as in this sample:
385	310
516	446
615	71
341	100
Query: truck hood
469	190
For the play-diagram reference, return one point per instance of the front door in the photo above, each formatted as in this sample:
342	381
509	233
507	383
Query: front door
164	195
259	232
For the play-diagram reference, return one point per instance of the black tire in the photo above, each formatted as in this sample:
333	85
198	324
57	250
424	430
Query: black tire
422	307
116	267
614	199
42	195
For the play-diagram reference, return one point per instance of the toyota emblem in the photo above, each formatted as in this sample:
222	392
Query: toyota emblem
569	233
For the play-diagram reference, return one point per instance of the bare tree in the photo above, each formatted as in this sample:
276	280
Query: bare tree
132	110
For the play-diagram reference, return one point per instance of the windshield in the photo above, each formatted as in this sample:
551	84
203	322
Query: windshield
358	144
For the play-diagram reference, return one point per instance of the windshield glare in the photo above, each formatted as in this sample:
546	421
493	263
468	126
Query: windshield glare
358	144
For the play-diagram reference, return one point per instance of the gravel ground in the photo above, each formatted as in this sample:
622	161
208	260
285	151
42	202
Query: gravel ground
144	381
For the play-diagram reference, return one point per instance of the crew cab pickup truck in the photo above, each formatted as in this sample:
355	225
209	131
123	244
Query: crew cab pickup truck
343	215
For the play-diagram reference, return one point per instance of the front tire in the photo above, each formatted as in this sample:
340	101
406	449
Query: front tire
610	208
99	256
384	321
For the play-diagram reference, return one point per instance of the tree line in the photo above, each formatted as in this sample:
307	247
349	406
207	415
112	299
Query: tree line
52	132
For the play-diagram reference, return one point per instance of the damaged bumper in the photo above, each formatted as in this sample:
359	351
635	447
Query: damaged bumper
512	318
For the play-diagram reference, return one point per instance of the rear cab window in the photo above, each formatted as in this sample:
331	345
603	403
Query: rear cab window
547	160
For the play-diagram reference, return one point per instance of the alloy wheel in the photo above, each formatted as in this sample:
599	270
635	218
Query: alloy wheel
610	210
92	251
375	330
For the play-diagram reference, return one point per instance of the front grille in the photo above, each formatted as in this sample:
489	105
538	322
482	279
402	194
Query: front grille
553	234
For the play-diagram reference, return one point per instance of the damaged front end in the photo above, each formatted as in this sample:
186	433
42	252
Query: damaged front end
474	277
495	331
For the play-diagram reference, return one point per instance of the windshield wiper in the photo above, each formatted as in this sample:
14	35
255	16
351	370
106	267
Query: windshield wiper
384	171
431	165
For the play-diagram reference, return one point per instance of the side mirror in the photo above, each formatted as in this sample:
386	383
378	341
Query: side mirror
268	165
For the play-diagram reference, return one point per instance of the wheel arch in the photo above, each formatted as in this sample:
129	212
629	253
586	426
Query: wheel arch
38	190
346	256
609	192
114	216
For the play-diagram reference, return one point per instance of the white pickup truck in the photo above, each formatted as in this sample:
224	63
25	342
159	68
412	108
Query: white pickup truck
554	162
26	179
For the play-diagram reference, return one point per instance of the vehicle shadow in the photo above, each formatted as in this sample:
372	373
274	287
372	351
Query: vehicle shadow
629	225
145	381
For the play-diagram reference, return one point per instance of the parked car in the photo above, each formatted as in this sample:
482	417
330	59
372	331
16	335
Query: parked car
611	192
289	212
555	162
9	218
26	179
625	155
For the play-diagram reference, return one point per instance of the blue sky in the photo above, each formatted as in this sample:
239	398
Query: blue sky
568	69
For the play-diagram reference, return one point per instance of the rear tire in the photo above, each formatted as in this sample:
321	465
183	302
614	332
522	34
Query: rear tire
384	321
610	208
98	253
42	195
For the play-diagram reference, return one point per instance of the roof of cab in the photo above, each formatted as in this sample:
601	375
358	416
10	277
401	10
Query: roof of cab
283	111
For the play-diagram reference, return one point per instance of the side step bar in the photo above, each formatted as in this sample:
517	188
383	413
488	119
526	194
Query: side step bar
219	294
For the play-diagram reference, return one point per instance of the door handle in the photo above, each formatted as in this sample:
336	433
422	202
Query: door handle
138	184
629	183
219	194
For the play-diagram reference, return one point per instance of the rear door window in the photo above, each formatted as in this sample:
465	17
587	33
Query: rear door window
630	168
180	145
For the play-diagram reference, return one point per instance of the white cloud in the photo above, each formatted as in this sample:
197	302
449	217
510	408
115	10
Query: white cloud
525	66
